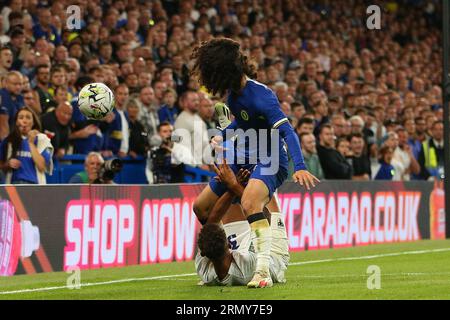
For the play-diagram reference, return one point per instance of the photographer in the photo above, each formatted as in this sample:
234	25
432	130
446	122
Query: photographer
97	170
92	166
167	158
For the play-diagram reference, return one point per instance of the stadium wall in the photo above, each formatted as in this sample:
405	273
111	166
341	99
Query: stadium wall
95	226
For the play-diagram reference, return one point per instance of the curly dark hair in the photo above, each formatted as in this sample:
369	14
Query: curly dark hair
212	241
220	65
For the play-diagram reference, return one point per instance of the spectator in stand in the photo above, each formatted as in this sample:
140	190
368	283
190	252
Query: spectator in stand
415	145
386	170
56	125
117	132
308	143
6	60
333	163
26	154
190	126
58	78
361	163
148	111
343	147
138	143
11	100
393	74
403	154
44	29
92	165
31	100
431	157
338	123
42	87
169	110
320	114
206	111
421	128
305	125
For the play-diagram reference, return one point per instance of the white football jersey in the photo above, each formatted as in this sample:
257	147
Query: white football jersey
243	265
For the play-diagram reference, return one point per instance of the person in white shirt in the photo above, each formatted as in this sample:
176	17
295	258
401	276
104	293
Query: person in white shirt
191	128
403	154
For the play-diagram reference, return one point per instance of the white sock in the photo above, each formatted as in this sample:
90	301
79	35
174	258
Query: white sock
262	239
280	242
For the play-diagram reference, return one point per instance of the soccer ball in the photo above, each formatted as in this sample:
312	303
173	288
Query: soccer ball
95	101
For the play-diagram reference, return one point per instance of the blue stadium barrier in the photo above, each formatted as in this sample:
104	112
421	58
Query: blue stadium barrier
133	171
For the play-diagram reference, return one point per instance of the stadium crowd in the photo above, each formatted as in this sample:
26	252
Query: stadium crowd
366	104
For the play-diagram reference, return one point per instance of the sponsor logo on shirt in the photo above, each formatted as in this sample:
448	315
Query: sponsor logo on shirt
24	154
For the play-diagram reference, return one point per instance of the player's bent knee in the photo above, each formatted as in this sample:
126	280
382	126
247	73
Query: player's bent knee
250	206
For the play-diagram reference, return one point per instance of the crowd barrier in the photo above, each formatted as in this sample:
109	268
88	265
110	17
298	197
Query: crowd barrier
133	171
58	227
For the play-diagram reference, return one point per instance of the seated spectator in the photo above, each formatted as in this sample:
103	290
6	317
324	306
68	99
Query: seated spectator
169	110
92	166
308	143
360	160
386	170
11	100
26	154
333	163
56	125
138	143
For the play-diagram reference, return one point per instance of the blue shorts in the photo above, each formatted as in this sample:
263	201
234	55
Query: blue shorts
273	182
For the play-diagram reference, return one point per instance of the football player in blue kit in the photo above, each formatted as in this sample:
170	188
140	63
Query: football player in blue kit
224	70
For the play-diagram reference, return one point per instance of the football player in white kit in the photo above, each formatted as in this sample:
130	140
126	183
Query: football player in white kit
225	255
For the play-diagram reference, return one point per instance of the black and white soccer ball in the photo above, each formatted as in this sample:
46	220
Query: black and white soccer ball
95	101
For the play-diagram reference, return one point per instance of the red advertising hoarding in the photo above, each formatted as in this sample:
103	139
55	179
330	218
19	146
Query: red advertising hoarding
59	227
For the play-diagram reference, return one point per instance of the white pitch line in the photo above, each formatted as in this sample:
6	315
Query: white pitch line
193	274
370	257
99	283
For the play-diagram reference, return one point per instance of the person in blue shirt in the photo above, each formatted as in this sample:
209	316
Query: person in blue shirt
169	111
43	29
223	69
26	154
386	171
11	100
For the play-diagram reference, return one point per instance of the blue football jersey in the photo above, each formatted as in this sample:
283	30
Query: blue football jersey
258	108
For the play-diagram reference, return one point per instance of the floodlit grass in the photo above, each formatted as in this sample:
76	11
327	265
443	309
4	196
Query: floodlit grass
423	273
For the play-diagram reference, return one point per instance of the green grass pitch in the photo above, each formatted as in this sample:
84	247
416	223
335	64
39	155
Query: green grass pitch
419	270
